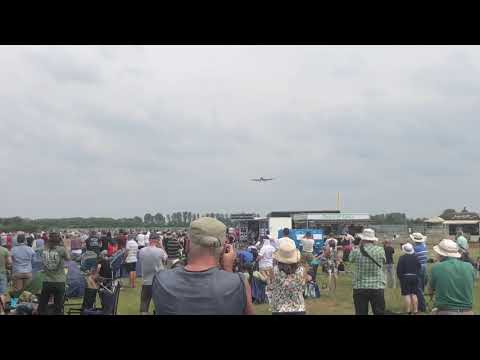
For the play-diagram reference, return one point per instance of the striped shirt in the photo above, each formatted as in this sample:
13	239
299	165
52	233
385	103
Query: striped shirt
421	253
172	247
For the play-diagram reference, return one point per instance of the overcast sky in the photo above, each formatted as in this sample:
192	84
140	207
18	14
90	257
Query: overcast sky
124	130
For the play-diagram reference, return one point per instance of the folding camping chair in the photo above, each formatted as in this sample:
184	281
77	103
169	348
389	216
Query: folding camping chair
108	290
109	296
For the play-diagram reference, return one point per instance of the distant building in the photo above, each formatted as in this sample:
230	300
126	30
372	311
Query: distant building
450	224
329	221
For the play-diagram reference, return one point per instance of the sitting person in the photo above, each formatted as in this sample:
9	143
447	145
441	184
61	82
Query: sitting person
88	261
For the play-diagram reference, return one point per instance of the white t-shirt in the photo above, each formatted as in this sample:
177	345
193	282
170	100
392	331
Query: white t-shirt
141	239
286	239
266	252
308	245
132	248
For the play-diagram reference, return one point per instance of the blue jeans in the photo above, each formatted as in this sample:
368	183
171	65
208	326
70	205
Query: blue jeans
3	283
422	281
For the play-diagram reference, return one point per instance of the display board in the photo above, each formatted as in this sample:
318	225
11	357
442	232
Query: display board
298	234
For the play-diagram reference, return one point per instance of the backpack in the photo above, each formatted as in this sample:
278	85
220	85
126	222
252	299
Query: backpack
311	291
51	259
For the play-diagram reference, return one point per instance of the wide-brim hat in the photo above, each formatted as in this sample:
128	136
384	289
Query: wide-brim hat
448	248
418	237
368	235
287	253
408	248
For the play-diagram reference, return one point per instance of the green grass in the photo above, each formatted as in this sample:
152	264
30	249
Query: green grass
340	303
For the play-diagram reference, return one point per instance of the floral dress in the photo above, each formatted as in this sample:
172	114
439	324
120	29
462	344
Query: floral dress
286	291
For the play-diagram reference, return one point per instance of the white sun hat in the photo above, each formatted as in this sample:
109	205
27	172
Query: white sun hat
408	248
418	237
287	253
448	248
368	234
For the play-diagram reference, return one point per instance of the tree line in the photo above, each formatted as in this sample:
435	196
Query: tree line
176	219
182	218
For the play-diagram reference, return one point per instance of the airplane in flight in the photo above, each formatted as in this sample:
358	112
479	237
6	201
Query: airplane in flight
262	179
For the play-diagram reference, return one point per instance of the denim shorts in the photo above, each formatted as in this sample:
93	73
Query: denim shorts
3	283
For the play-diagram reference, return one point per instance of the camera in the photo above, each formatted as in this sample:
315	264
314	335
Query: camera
356	241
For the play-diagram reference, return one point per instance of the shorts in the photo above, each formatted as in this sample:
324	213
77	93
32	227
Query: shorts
22	276
131	267
145	298
3	283
308	257
408	285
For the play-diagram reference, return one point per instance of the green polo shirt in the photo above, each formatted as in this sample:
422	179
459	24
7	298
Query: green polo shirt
453	281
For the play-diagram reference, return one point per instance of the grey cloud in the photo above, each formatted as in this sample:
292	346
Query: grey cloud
63	66
119	131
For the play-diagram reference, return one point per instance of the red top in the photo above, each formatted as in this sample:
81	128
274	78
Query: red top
9	242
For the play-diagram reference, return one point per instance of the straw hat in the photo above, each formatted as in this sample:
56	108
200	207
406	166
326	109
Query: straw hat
287	253
368	234
448	248
408	248
418	237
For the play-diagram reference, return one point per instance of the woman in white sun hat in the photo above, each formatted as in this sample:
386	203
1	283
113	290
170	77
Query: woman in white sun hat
408	268
452	281
288	281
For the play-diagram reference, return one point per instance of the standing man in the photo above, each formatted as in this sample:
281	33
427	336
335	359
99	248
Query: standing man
368	276
207	285
131	260
141	240
286	233
462	242
421	252
152	260
172	247
22	257
389	265
54	256
93	243
265	259
452	281
307	247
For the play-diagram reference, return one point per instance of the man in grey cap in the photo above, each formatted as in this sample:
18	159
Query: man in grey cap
207	285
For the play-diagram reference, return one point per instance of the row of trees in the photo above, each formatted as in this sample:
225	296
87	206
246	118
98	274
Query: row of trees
176	219
182	218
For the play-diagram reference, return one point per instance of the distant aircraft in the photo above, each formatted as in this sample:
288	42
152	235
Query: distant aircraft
262	179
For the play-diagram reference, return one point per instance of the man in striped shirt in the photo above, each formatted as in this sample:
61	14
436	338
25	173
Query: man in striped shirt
421	252
172	247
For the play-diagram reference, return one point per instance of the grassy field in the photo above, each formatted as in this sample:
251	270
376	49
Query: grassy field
340	303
